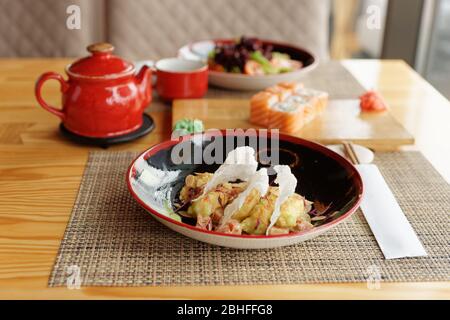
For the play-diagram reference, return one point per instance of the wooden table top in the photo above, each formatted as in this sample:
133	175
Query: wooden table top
40	173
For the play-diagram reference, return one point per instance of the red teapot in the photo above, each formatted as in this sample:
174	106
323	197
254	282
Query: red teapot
103	96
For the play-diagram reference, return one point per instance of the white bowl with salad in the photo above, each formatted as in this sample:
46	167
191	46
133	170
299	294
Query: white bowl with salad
250	63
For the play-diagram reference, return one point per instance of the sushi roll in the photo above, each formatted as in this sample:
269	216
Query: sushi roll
288	106
260	105
318	98
287	116
281	92
292	86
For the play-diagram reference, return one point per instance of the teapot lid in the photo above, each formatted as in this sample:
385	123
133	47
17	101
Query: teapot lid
100	64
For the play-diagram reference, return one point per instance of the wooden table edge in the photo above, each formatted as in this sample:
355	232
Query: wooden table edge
327	291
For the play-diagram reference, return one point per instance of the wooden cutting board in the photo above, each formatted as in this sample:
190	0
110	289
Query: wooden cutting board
341	121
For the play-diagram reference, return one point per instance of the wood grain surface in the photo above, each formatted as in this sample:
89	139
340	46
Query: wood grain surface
40	173
341	121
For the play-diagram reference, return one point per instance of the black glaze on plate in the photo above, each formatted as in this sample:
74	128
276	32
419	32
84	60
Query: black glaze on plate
296	53
323	176
147	126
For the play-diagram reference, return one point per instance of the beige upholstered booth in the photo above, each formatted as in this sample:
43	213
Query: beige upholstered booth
37	28
157	28
151	29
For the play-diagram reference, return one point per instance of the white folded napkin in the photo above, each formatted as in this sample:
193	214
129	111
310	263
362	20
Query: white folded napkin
394	234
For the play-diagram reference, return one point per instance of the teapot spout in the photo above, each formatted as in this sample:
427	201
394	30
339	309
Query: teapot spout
143	80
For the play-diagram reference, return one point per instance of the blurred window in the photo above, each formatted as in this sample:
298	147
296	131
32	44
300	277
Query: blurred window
437	64
358	28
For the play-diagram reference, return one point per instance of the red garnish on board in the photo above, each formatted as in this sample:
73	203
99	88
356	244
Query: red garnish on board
372	101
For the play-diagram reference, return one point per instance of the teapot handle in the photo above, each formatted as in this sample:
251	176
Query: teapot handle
64	86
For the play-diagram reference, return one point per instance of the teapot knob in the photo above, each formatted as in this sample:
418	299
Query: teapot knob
100	47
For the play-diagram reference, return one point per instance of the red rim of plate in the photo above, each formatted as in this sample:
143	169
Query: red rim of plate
318	147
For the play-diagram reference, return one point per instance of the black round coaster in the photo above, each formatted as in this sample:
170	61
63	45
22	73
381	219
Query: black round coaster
147	126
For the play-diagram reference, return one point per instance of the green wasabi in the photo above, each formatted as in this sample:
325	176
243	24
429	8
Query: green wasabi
188	126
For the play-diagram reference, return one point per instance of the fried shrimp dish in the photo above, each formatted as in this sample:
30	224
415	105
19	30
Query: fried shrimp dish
238	199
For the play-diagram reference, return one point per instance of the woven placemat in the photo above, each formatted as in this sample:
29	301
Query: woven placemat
116	243
330	76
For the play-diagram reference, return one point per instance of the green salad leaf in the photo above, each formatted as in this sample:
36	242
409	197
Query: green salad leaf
268	68
235	69
170	212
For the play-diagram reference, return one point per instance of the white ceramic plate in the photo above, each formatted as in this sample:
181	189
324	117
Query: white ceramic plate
199	51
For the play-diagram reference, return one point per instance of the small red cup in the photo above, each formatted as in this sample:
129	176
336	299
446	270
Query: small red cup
181	79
